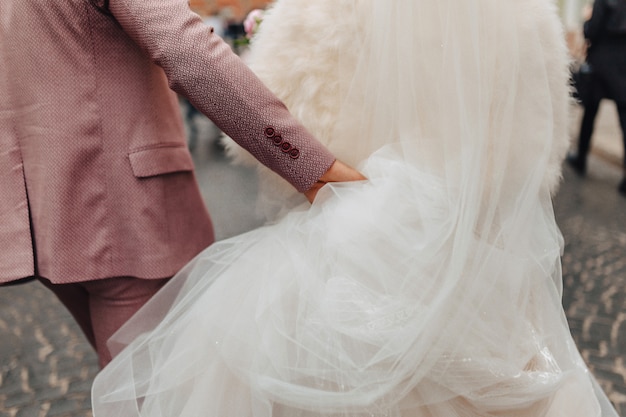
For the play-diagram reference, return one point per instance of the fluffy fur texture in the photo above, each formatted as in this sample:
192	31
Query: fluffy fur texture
297	53
541	16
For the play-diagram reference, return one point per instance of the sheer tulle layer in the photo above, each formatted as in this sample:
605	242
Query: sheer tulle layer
430	290
354	307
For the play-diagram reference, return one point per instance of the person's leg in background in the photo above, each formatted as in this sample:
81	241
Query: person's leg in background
579	161
101	307
621	111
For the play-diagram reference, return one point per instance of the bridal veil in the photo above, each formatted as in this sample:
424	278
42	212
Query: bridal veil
431	290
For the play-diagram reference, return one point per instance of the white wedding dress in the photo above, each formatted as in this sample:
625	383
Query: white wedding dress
433	289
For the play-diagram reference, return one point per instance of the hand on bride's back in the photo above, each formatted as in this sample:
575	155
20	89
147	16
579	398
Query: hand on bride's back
338	172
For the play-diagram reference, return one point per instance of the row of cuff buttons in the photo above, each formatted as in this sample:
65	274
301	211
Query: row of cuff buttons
284	146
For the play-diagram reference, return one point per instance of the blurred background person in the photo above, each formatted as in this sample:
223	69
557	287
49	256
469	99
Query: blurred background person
605	32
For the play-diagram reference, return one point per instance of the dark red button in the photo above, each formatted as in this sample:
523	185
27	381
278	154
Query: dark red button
270	132
294	153
278	140
286	147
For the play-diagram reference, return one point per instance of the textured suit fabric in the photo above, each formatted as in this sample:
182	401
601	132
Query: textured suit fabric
100	307
95	177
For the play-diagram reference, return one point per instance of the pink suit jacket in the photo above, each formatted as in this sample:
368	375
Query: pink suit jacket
95	177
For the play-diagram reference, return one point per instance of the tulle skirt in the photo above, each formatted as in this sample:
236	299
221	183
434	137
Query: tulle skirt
374	301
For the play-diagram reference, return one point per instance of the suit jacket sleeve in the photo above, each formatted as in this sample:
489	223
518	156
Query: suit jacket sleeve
202	67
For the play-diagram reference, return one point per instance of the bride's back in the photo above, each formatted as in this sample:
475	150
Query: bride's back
469	79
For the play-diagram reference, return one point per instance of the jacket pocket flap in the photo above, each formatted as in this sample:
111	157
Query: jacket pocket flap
157	161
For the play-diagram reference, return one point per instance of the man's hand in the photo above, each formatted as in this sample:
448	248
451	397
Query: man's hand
338	172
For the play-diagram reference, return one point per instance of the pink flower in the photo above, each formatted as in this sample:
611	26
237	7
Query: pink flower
252	22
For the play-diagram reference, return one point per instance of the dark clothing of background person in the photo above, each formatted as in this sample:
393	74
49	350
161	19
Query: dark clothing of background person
606	34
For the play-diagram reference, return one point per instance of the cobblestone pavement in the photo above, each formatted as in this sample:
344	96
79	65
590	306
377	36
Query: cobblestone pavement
46	366
592	217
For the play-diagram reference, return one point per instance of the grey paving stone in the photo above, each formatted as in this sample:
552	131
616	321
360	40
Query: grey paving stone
33	410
